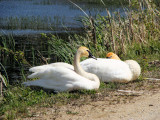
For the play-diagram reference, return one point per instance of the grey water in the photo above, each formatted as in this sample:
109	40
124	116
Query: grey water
20	17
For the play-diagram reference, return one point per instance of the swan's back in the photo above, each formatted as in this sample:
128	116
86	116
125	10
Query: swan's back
60	79
108	69
44	67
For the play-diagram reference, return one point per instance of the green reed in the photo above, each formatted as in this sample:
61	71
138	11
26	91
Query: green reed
10	56
34	22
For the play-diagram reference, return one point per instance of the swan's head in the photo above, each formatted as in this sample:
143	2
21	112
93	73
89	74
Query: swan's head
84	51
111	55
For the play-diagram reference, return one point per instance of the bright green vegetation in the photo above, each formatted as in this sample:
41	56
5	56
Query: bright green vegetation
135	37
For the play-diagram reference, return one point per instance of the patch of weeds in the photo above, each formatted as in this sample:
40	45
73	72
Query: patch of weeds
10	115
139	85
103	90
16	99
67	97
151	87
103	85
113	85
88	92
71	113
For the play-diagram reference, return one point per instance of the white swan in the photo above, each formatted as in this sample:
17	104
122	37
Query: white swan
65	79
111	70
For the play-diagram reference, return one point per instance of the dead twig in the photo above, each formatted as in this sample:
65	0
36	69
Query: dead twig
79	8
43	58
93	31
112	32
130	92
2	82
153	79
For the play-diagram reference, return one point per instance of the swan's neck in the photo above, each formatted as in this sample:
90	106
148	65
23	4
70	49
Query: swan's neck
78	69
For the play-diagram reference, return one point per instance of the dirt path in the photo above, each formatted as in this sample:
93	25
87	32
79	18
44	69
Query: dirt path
144	107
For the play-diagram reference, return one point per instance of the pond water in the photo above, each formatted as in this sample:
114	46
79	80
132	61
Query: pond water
30	16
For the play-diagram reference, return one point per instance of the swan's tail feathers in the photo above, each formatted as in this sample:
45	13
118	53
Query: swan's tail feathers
28	83
36	69
31	83
32	69
34	75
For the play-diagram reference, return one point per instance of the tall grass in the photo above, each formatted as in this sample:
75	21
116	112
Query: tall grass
10	56
141	28
62	50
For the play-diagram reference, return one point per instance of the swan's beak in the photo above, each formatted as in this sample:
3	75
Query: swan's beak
91	56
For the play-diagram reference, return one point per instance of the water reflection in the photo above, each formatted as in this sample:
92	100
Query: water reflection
45	15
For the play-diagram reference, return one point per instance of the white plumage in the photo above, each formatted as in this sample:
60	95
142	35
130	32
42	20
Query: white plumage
61	78
44	67
108	70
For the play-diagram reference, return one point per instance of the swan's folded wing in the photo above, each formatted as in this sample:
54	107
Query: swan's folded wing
109	70
59	79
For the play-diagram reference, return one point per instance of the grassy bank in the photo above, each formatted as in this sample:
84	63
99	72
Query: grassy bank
135	37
